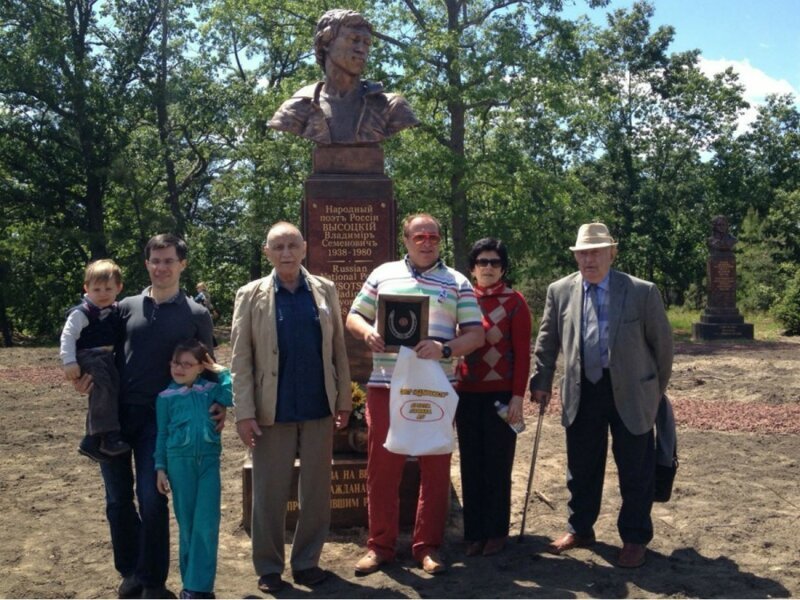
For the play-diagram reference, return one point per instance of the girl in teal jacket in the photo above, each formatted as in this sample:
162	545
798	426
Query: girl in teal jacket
187	460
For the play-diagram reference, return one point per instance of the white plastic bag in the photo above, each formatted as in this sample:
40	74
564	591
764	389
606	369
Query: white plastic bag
422	406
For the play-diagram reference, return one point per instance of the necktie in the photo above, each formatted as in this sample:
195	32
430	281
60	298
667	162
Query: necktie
592	360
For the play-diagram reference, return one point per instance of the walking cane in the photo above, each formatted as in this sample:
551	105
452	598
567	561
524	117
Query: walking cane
542	407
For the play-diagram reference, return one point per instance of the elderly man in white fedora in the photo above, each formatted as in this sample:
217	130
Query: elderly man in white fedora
617	346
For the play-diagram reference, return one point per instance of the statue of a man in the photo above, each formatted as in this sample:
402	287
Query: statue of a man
720	239
343	109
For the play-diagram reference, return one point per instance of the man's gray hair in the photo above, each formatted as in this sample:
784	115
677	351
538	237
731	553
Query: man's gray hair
328	28
282	225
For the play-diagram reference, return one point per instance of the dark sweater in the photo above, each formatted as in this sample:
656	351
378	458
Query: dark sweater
104	327
151	333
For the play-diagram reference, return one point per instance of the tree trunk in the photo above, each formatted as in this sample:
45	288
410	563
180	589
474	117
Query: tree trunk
255	262
94	211
5	324
95	160
458	195
160	99
457	110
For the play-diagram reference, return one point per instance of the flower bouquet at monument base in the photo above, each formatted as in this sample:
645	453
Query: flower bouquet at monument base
354	437
358	418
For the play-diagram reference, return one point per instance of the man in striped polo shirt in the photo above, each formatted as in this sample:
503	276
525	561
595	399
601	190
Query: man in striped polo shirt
454	328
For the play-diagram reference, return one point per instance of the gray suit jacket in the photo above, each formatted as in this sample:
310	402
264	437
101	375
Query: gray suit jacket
639	347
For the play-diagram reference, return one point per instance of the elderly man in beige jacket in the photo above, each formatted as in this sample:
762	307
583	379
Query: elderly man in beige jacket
291	387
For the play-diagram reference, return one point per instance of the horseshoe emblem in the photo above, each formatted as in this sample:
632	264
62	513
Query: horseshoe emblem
404	327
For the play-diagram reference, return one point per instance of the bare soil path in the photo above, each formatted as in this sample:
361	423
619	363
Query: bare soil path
730	530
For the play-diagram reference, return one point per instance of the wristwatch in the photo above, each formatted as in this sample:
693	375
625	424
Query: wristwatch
447	351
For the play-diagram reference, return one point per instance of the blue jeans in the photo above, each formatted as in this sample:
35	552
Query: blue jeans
140	537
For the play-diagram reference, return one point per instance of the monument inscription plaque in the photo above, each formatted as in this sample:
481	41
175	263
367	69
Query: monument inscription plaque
348	494
349	221
721	271
348	236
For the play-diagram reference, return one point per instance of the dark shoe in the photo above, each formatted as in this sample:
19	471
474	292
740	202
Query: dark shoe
570	541
310	577
90	447
112	444
475	548
494	545
271	583
190	595
432	563
631	555
156	592
369	563
129	587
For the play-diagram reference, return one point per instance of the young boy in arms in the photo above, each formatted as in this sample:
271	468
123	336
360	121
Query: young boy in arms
92	330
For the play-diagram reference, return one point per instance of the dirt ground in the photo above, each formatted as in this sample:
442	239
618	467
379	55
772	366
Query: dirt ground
730	529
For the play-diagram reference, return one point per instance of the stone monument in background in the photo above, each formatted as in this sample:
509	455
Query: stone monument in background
348	217
721	319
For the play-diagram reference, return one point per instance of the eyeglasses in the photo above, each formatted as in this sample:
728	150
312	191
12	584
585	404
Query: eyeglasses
167	262
489	262
421	238
183	365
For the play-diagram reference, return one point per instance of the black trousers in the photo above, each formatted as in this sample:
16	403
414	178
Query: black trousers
587	448
103	414
486	445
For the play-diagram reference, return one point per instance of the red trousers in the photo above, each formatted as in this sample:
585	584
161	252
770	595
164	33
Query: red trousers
384	472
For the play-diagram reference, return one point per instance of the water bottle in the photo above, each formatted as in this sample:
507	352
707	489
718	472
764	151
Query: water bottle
502	412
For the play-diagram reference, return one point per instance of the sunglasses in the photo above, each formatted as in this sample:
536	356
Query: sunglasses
489	262
421	238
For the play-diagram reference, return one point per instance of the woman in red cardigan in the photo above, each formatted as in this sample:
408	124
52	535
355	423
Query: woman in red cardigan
496	372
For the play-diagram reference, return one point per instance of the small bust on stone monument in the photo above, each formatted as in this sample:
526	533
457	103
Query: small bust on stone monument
720	239
721	319
343	109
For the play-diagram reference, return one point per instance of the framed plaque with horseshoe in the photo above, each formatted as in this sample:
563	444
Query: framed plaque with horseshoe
402	320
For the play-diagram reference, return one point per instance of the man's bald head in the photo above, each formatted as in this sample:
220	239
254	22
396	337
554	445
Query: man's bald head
286	250
280	229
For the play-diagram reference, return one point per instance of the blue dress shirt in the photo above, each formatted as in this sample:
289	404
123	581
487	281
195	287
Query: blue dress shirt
301	378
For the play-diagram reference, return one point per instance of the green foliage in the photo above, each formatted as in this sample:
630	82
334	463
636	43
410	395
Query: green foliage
647	117
535	293
120	120
473	71
787	310
760	284
769	252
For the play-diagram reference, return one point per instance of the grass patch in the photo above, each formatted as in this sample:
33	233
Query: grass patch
766	328
681	320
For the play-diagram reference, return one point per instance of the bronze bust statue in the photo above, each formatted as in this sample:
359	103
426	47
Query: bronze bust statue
343	109
720	239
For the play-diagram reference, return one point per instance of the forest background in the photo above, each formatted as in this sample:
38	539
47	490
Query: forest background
120	119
